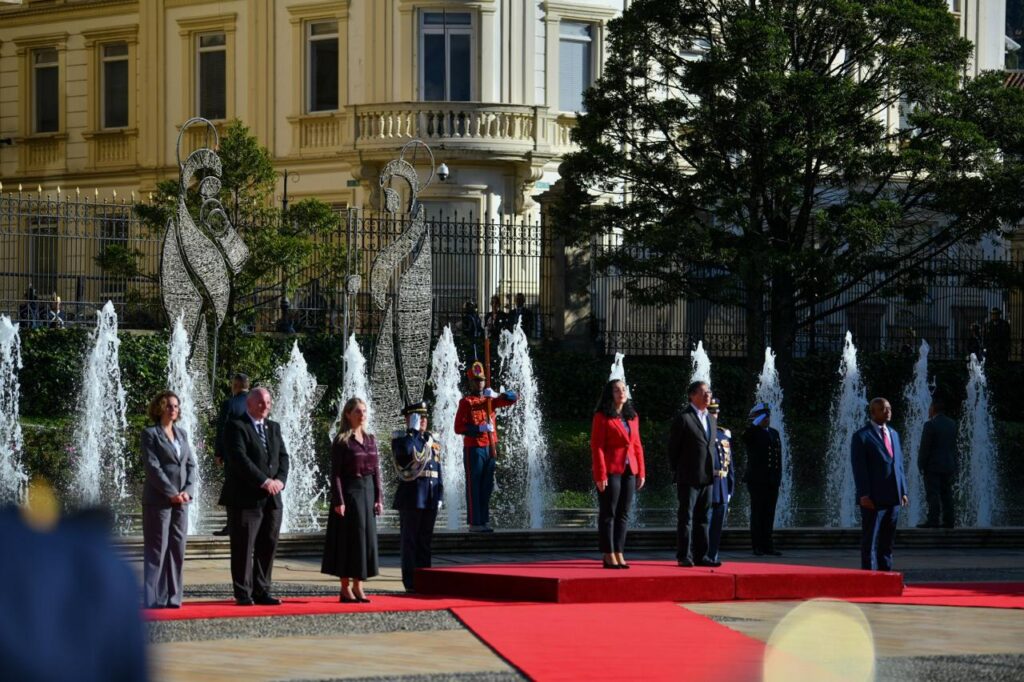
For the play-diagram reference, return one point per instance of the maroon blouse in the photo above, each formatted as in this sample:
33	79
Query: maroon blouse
351	460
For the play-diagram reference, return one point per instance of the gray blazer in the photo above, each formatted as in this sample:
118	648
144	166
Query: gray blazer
166	475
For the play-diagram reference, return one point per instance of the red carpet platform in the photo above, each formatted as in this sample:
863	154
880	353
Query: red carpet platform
581	581
620	642
992	595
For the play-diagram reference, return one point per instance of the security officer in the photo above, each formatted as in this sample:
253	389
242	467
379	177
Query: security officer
475	422
721	485
763	477
420	490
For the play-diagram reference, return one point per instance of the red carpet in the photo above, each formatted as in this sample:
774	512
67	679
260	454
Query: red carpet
615	641
979	595
309	606
581	581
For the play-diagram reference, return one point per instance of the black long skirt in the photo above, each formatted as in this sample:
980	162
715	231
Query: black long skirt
350	549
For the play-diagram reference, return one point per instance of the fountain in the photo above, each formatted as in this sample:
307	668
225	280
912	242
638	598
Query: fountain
13	479
354	383
618	373
296	397
769	391
101	470
848	415
977	485
701	365
445	374
179	380
917	397
525	445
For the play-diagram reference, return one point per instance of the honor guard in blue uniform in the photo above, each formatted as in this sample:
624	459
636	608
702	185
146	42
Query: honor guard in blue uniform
420	490
722	483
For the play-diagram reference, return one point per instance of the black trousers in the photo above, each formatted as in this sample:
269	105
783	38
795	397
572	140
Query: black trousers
762	516
417	535
254	534
694	506
613	511
938	489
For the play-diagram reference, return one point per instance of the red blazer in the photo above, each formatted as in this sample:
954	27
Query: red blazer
610	443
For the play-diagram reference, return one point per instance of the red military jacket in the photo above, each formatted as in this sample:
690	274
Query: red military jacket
471	414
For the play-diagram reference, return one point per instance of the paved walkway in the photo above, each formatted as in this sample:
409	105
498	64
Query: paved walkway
911	642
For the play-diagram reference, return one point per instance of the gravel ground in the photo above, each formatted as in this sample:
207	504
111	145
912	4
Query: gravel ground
299	626
994	667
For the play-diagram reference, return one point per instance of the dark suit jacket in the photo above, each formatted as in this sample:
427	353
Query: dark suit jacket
247	464
875	473
938	446
231	409
166	475
690	450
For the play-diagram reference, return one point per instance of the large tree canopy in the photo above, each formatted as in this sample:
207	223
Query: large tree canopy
753	155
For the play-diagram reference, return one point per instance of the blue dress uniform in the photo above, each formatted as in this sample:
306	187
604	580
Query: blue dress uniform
722	486
420	492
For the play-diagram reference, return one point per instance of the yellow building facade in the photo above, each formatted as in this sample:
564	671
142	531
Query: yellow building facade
93	93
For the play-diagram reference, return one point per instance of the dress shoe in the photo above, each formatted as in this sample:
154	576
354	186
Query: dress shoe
222	532
347	600
623	566
477	529
709	563
605	564
267	600
927	525
774	552
486	529
685	563
362	599
758	552
947	525
244	601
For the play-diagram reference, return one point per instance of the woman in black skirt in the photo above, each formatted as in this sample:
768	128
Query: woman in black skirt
350	550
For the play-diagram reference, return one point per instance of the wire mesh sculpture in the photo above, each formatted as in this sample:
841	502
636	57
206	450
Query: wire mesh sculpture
199	258
398	367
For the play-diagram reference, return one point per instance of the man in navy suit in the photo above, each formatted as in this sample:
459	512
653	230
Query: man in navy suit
877	461
723	484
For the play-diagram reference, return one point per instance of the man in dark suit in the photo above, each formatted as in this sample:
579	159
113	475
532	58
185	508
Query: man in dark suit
937	463
231	409
256	470
691	452
877	461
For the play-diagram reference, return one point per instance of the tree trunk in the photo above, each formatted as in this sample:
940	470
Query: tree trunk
783	324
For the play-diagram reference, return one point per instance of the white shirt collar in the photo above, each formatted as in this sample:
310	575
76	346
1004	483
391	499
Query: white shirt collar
255	422
701	413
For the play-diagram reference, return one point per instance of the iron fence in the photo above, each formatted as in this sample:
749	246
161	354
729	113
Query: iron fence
86	251
950	308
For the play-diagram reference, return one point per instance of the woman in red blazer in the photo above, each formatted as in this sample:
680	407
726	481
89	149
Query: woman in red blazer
618	460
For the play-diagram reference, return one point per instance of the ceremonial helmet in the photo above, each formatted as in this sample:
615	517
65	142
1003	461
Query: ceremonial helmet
759	412
475	371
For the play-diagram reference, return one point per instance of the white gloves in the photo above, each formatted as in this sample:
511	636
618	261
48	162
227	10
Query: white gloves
486	427
489	393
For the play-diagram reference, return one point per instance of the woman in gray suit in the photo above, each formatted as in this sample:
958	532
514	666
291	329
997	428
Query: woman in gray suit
170	478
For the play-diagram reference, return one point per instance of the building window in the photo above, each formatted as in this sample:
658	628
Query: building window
575	64
114	75
448	62
322	66
211	76
46	91
954	6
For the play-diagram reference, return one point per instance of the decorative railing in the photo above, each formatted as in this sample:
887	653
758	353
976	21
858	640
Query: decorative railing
511	127
315	134
112	148
43	153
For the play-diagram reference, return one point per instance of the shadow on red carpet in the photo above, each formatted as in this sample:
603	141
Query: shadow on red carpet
993	595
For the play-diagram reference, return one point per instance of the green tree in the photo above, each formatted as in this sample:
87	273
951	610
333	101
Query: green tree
746	147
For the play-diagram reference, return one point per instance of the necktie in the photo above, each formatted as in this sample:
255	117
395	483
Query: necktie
885	439
262	433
